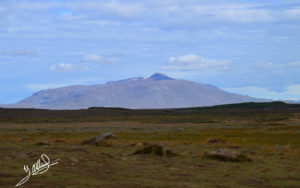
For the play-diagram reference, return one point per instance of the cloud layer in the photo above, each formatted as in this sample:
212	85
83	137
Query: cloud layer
291	92
169	11
227	43
63	67
193	62
98	59
16	53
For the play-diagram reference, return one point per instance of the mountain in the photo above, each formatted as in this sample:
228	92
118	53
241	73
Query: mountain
157	91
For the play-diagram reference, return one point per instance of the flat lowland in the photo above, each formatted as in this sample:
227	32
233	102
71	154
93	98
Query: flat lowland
267	133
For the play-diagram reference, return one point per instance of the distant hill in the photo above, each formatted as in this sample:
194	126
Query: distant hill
276	105
157	91
258	112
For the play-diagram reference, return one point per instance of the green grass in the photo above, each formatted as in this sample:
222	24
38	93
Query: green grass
274	150
269	134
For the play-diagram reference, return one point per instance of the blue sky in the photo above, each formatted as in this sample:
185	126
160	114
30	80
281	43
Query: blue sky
247	47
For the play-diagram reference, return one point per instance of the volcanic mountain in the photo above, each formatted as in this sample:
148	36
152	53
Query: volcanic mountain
157	91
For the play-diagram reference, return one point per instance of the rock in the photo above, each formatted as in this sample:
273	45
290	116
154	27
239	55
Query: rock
249	151
73	159
216	141
227	155
139	145
156	149
43	143
107	139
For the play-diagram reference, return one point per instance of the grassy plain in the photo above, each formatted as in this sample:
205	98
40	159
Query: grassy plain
269	134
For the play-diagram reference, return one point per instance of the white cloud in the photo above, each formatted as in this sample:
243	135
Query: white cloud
38	87
98	59
15	53
174	13
237	12
100	23
34	6
193	62
293	13
291	92
191	11
294	64
270	65
69	16
62	67
12	29
246	15
113	8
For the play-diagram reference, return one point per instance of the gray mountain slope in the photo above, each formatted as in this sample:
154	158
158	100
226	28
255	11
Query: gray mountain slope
157	91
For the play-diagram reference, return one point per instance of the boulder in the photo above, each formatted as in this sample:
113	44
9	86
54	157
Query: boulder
156	149
227	155
139	144
107	139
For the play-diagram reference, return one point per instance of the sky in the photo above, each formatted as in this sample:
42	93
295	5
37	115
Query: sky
250	47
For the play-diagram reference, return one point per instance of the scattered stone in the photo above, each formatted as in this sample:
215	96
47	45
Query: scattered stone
73	159
234	147
20	155
225	127
282	147
43	143
227	155
174	169
216	141
107	139
282	154
156	149
139	144
249	151
266	170
32	154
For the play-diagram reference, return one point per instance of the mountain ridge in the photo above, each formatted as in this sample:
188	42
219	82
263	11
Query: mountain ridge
155	92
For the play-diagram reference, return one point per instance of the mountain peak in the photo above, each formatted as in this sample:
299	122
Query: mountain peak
156	91
159	76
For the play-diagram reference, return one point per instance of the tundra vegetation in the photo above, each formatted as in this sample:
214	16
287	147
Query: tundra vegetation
266	135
